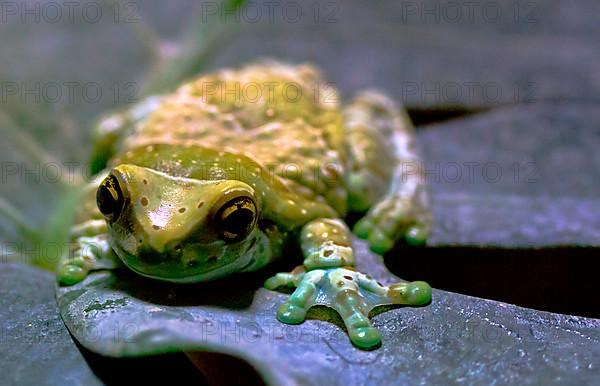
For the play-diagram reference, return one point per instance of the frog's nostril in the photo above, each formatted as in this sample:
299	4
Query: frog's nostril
212	259
177	248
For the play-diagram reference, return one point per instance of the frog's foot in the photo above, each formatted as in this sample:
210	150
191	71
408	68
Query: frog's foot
352	294
92	253
70	274
395	218
72	271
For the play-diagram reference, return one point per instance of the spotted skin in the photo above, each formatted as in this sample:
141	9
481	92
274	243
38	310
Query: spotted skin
219	176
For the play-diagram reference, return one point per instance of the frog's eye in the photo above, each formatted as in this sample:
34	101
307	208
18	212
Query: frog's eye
236	218
109	198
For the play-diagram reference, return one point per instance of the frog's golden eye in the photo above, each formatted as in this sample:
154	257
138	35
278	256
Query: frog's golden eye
236	218
109	198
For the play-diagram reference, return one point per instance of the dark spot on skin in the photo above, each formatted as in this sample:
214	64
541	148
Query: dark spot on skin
144	201
212	259
145	181
228	124
156	227
348	277
327	252
177	248
181	210
200	204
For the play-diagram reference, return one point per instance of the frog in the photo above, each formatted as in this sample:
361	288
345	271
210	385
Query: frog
220	176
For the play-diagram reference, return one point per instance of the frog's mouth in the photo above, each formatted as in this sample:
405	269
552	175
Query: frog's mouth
190	264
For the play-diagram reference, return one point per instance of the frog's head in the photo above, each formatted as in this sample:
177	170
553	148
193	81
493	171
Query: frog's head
179	229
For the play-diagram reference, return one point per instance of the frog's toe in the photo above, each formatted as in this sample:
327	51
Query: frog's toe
363	228
70	274
366	338
294	310
281	279
419	293
353	308
290	313
416	235
379	242
416	293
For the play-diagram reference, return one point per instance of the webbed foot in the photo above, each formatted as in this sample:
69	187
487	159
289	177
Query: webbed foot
352	294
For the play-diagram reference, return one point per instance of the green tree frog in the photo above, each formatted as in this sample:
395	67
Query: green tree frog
219	176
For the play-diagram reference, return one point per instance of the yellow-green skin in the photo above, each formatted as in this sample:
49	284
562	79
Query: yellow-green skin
273	134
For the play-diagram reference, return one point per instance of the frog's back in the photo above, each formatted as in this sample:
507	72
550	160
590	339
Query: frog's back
281	116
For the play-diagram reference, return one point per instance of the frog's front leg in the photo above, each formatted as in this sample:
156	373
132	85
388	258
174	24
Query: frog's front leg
86	254
328	278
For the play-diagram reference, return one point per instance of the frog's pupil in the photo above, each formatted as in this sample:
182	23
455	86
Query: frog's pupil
237	218
237	222
109	197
